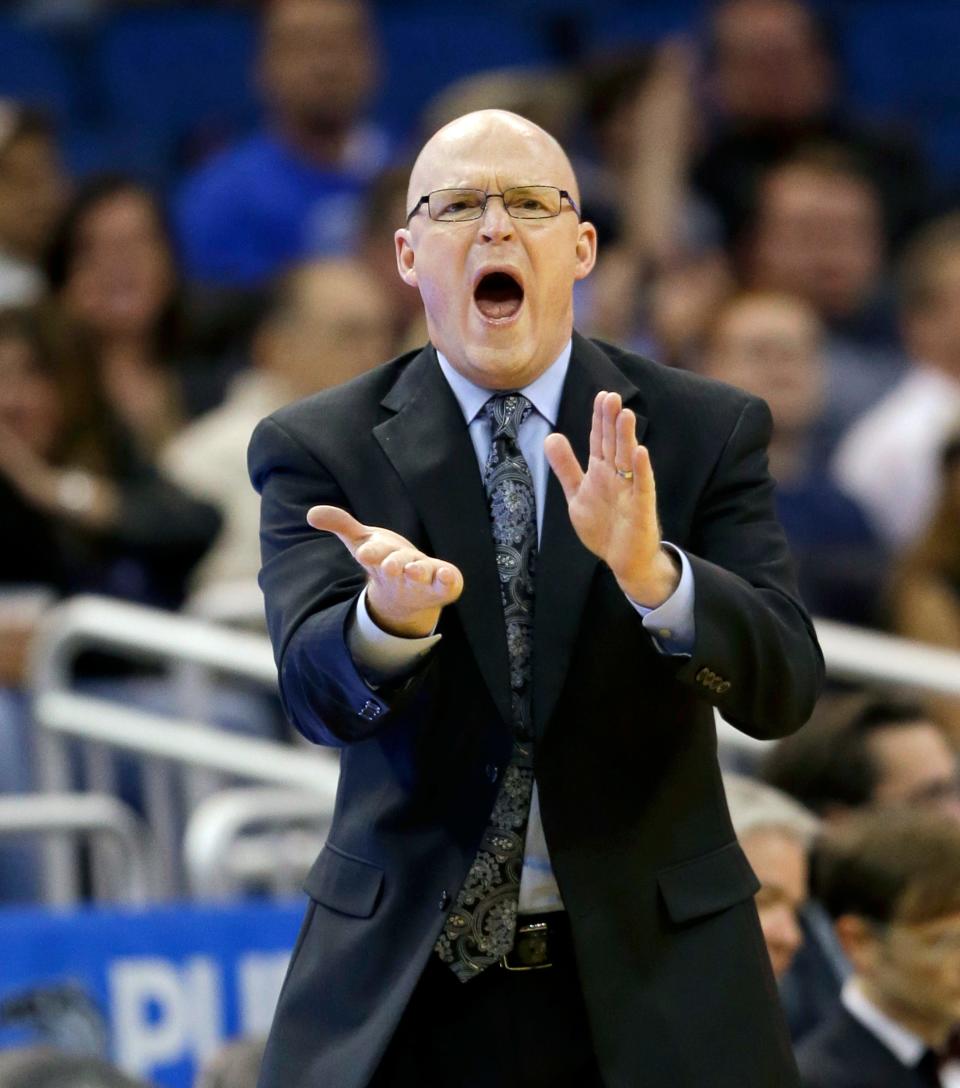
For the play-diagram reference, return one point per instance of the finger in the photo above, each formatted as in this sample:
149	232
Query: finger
626	439
448	581
611	409
393	563
644	485
564	463
331	519
596	426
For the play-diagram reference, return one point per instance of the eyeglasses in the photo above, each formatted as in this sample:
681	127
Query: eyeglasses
520	201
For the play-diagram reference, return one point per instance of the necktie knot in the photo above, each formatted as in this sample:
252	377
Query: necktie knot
506	412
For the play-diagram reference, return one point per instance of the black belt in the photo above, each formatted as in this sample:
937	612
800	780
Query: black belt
541	940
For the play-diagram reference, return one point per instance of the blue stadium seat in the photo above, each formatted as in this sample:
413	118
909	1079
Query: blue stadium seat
177	71
32	70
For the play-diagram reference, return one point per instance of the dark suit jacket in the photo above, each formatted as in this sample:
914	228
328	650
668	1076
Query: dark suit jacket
842	1053
672	960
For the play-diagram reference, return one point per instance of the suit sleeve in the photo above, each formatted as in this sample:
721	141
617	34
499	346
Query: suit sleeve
755	656
311	585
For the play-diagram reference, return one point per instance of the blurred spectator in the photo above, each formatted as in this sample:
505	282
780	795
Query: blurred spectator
861	750
891	883
330	322
294	190
775	833
237	1065
773	83
111	266
42	1068
858	751
81	509
32	192
925	591
772	346
385	209
890	460
661	272
816	231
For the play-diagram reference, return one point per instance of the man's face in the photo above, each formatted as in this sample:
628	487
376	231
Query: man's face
318	62
770	347
916	766
32	192
819	236
780	863
497	291
933	334
914	969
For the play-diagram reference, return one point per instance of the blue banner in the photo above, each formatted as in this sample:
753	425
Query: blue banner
158	991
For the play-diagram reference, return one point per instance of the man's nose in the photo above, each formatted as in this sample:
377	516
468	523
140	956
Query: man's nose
496	224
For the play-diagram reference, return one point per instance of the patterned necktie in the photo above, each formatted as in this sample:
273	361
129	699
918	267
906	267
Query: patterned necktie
481	924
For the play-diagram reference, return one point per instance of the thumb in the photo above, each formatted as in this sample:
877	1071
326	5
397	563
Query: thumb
331	519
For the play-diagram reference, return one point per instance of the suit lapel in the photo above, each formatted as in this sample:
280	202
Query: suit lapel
428	444
565	567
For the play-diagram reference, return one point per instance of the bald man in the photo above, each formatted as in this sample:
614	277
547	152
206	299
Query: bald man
475	592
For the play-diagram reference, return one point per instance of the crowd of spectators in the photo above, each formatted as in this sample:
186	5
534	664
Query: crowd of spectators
752	228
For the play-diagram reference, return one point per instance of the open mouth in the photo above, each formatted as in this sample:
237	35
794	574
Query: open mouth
498	296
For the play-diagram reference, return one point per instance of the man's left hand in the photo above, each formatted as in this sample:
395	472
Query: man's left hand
615	515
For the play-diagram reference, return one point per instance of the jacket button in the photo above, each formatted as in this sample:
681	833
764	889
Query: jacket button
444	900
492	771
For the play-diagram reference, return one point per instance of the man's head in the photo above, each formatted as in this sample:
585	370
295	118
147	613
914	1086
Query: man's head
818	232
318	63
770	345
33	186
775	833
497	290
330	321
930	295
866	750
891	882
769	62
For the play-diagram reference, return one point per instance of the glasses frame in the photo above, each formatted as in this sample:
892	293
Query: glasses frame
425	199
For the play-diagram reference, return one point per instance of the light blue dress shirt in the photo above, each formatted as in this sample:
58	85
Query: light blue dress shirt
382	656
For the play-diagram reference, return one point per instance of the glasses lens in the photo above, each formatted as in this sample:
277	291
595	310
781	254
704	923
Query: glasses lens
532	201
455	205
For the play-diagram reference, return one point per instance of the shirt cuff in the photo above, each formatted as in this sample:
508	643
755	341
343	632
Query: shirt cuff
671	624
380	656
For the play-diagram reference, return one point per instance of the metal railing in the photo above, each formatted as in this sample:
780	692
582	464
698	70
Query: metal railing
144	634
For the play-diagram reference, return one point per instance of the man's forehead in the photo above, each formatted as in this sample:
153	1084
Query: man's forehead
478	148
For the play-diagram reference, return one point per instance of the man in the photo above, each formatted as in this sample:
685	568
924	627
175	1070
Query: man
858	752
775	833
295	190
891	881
330	321
890	459
403	634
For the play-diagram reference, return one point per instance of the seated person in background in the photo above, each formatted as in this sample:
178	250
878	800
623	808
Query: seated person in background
330	322
858	751
293	191
32	190
82	510
771	345
111	266
890	459
925	590
775	833
816	230
891	882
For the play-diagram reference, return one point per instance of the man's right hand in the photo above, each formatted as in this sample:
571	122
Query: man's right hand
406	589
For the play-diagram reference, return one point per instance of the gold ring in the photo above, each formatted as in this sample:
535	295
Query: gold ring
625	473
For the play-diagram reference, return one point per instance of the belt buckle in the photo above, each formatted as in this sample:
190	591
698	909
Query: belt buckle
531	949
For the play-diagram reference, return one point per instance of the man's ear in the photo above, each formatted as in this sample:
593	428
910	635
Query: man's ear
859	940
405	257
586	250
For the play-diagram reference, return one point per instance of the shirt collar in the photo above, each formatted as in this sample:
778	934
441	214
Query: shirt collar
543	393
905	1046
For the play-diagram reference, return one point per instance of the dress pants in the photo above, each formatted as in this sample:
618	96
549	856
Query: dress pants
505	1029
